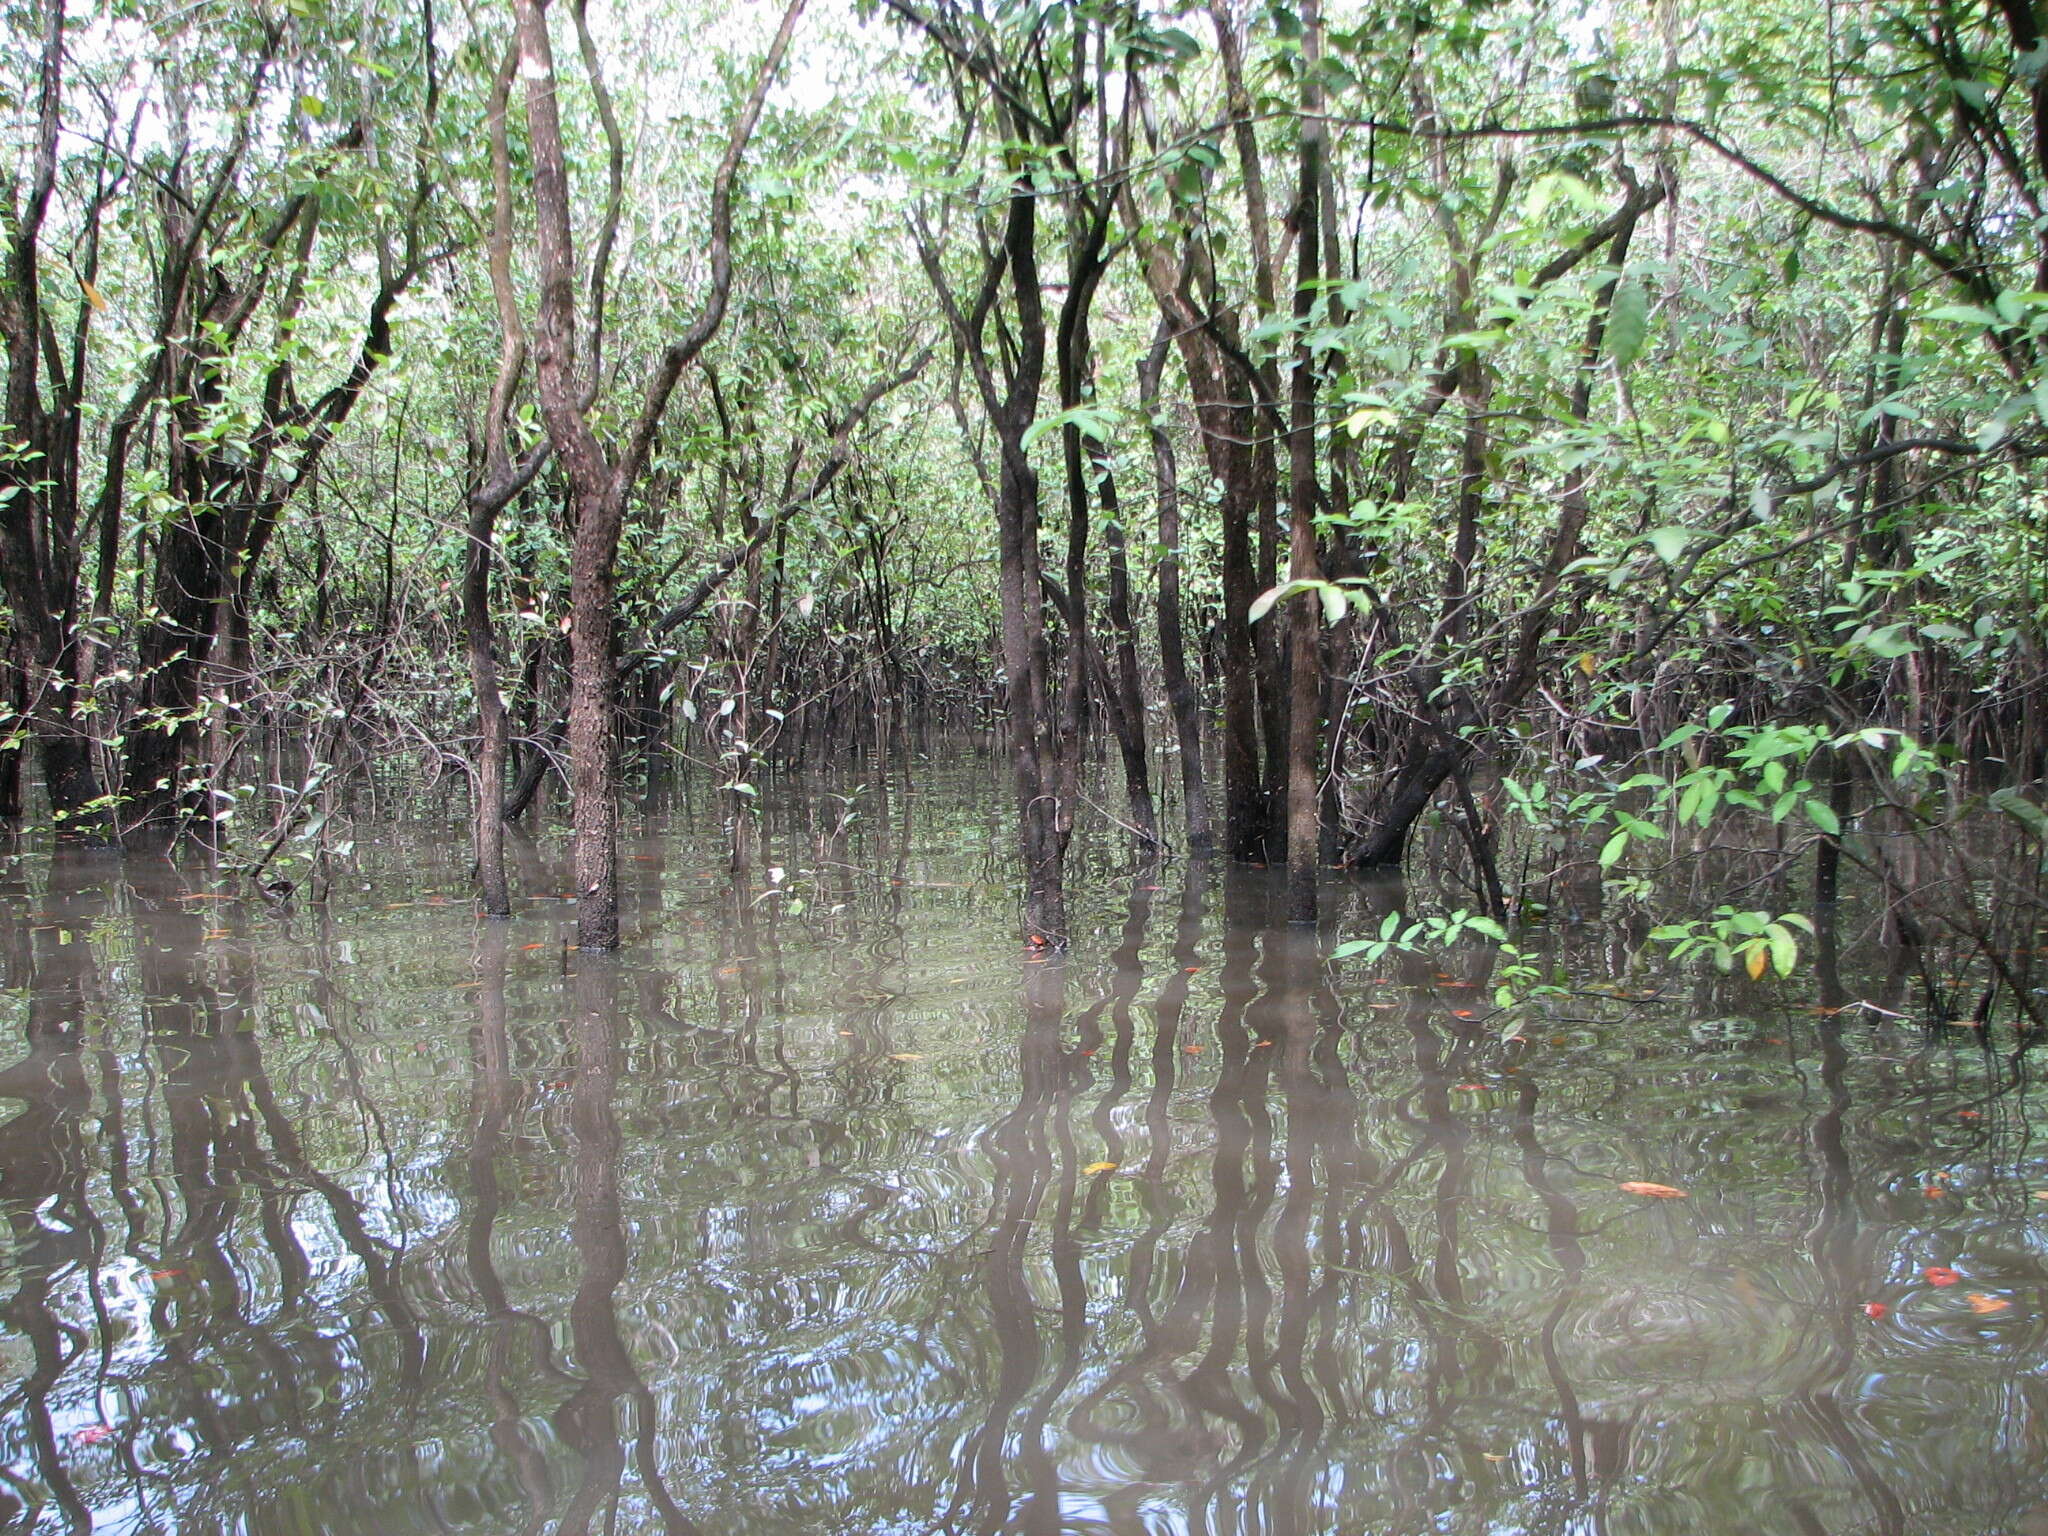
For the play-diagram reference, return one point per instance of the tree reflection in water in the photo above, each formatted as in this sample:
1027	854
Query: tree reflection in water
855	1219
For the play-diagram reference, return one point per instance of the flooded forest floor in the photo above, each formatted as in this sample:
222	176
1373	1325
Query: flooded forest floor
826	1206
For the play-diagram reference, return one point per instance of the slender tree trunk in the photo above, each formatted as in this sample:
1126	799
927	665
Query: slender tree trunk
493	737
593	550
1181	695
593	722
1304	662
486	500
1245	818
1127	696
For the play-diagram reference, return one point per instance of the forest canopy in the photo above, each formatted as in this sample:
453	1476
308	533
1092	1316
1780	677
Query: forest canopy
1583	420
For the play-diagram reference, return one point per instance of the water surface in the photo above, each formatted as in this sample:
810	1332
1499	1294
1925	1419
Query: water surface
826	1207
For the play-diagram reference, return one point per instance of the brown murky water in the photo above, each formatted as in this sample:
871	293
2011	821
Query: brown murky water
826	1208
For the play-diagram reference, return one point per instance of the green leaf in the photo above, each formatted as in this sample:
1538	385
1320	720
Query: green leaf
1784	948
2022	810
1615	847
1668	542
1822	815
1264	603
1476	341
1964	314
1888	641
1628	322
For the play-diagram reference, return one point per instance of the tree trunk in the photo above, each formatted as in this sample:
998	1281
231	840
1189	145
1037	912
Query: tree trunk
1304	659
599	484
500	482
493	744
593	733
1181	695
1126	695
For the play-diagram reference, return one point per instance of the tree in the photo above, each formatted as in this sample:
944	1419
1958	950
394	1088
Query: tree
601	478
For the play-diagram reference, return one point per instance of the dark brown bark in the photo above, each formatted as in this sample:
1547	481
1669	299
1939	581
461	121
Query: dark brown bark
1038	772
229	504
1265	656
599	484
497	485
39	548
1181	695
1226	417
534	770
1126	695
1304	660
1088	470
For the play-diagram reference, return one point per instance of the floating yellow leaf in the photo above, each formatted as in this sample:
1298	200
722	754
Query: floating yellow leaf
906	1056
93	296
1587	664
1654	1191
1102	1168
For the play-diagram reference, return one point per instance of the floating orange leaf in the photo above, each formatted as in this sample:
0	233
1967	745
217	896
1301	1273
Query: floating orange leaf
1192	1050
1941	1274
1653	1191
1983	1305
533	946
1875	1310
92	1434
